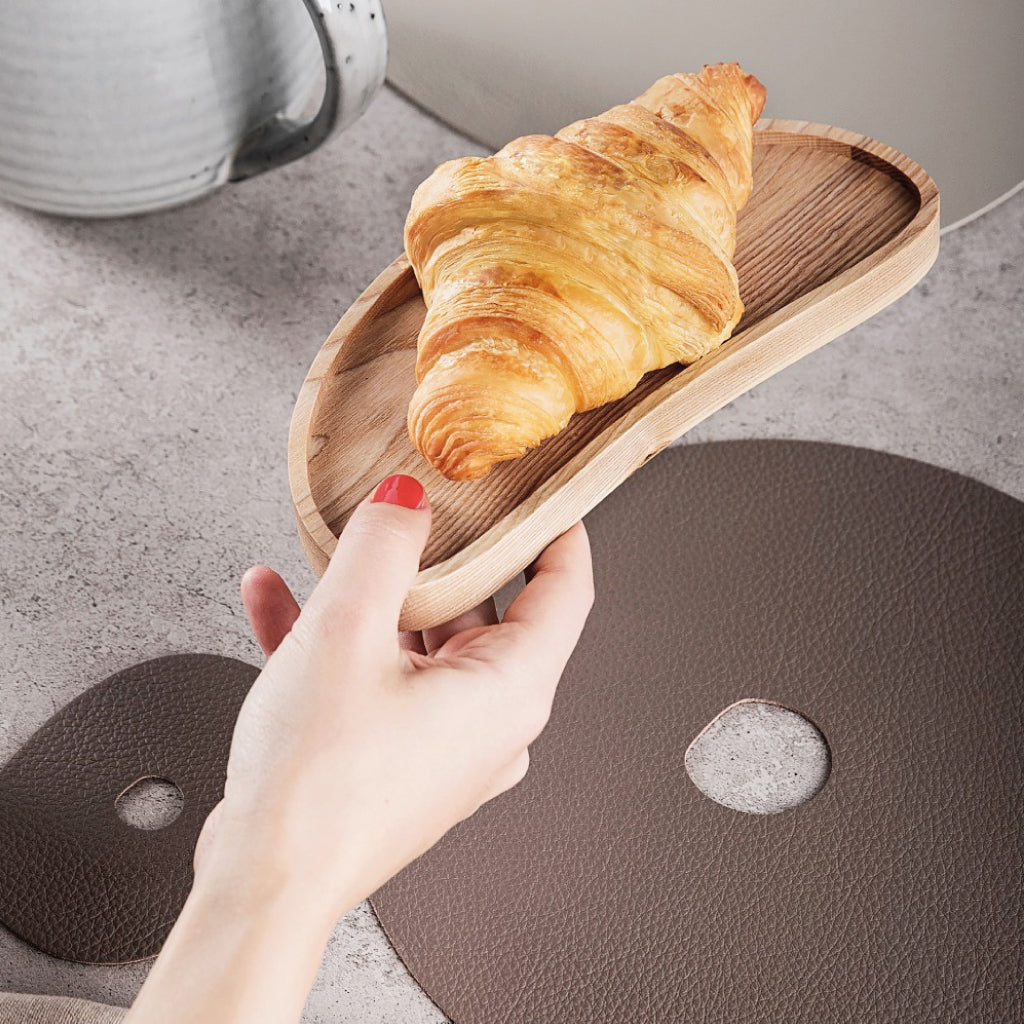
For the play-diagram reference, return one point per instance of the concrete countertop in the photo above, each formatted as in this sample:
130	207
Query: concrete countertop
149	368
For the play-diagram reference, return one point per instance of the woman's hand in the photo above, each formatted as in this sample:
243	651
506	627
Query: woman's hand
352	754
356	750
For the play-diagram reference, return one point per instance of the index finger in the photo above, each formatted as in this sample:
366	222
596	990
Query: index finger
553	606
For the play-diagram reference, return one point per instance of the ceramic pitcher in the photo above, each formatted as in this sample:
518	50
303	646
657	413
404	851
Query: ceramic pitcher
110	107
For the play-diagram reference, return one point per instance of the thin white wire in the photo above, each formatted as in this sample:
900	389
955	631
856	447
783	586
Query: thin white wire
985	209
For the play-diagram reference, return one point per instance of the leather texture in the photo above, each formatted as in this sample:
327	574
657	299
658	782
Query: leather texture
75	880
880	597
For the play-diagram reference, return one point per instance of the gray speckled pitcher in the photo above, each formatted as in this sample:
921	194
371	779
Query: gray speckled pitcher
110	107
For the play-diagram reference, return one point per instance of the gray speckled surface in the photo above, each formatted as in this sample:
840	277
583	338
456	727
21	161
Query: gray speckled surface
149	368
759	757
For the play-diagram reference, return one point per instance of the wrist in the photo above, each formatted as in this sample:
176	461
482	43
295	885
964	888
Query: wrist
244	887
246	946
250	867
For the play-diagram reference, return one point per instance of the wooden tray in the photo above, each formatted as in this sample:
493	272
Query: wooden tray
838	226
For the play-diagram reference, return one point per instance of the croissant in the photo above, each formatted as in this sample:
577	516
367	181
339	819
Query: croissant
559	271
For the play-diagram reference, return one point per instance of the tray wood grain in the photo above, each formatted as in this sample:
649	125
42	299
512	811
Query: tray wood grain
838	226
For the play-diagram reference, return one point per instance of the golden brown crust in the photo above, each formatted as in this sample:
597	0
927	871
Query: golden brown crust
560	270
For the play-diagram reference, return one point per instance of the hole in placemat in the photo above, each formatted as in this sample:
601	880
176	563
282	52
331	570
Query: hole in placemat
759	757
150	803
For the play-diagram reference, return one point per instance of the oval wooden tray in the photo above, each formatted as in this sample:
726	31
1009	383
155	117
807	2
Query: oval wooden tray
838	226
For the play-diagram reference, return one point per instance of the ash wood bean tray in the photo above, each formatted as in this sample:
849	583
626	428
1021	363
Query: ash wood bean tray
838	226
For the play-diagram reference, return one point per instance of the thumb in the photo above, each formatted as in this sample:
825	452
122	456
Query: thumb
376	560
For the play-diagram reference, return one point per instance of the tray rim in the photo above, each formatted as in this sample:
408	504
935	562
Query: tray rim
488	562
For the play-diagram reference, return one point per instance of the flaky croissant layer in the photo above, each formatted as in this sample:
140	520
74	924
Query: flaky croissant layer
559	271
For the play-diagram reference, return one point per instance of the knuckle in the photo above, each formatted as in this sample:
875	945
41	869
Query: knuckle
513	774
534	715
521	767
524	707
337	622
353	616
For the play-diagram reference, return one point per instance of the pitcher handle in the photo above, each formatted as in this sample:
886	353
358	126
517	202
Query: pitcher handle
354	44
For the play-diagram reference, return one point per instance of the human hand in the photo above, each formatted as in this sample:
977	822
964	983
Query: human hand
355	752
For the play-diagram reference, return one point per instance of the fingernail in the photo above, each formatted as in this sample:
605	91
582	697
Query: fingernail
402	490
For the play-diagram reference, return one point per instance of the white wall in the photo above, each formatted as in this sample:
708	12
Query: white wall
941	80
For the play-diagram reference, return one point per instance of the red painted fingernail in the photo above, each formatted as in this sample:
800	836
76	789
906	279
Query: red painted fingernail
402	490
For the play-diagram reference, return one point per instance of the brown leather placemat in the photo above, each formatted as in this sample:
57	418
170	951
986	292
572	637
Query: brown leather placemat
75	880
880	597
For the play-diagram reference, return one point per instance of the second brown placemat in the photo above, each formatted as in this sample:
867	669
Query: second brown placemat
880	597
76	880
